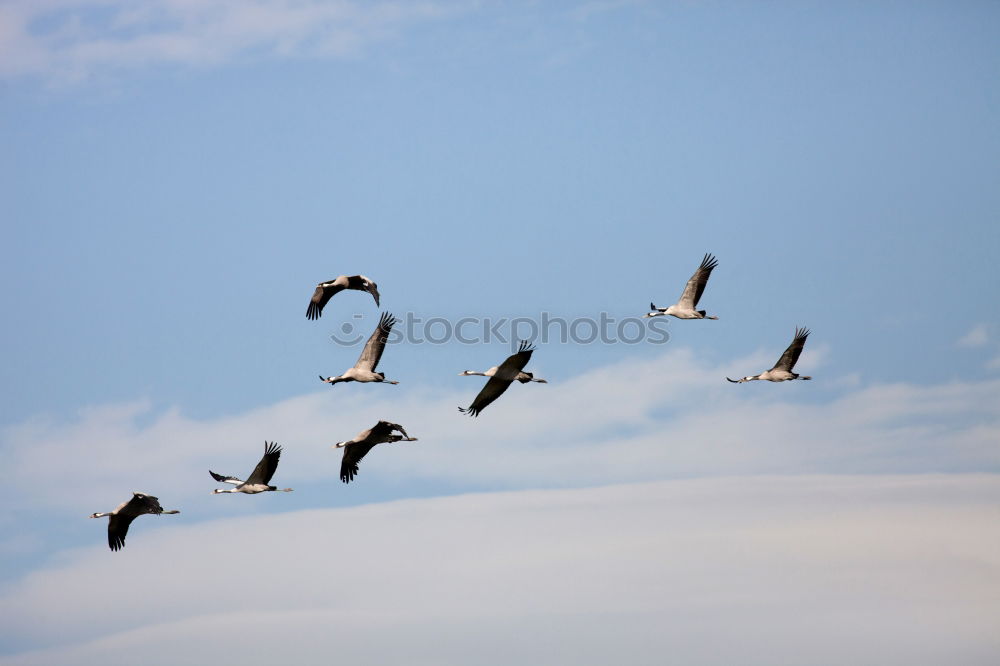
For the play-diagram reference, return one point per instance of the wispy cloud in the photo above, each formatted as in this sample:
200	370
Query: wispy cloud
806	570
977	337
72	39
639	420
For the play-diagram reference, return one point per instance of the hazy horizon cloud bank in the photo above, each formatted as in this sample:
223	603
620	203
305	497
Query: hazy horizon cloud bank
805	570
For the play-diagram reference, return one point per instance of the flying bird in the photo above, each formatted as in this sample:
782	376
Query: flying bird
126	512
258	479
685	307
523	377
507	372
356	449
364	369
327	290
782	370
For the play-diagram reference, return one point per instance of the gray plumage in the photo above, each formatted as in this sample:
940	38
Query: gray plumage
782	370
355	449
327	290
685	307
120	519
364	369
259	478
505	374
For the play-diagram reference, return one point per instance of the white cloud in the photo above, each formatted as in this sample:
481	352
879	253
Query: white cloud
667	417
804	570
977	337
71	39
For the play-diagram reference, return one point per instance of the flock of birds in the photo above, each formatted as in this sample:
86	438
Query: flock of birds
364	370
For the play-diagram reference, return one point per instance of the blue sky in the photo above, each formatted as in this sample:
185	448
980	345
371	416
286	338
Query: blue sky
177	177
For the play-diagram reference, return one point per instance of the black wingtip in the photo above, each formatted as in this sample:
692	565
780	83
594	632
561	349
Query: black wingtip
732	380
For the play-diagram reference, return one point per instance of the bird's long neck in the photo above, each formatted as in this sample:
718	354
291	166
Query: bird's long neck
100	515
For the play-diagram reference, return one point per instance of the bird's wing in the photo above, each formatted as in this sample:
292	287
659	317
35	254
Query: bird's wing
324	292
384	429
118	528
494	389
142	503
123	516
400	429
791	355
515	363
362	283
379	431
353	453
376	344
225	479
506	373
264	470
696	285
